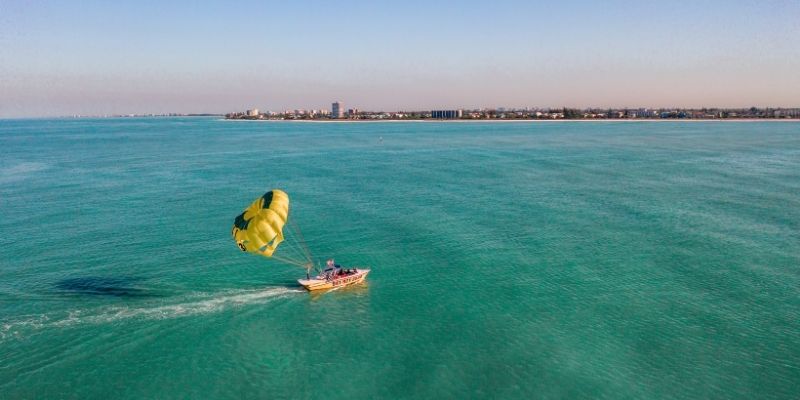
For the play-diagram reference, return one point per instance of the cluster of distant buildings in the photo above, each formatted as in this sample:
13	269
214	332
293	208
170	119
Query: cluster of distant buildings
142	115
339	112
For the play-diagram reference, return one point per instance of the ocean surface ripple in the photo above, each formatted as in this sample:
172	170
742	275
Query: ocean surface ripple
510	260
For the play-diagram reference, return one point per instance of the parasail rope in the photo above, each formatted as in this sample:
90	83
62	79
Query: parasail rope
290	246
302	240
293	252
290	252
292	243
289	261
295	240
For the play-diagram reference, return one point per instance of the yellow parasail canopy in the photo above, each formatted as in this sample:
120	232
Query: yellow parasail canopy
259	229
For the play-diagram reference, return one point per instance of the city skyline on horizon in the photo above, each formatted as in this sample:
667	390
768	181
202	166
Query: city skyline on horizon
344	109
146	57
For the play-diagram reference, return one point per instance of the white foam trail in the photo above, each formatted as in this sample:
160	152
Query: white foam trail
120	313
190	308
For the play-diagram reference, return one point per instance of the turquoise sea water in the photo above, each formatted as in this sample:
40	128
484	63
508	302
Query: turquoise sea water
510	260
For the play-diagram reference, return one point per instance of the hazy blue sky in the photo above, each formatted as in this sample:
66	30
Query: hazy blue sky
95	57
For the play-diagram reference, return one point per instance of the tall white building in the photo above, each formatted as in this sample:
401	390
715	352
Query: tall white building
447	114
337	110
252	113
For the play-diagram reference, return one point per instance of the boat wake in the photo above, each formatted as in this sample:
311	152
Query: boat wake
194	304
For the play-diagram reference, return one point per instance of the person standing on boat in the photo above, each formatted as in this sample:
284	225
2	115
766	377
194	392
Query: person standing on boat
330	269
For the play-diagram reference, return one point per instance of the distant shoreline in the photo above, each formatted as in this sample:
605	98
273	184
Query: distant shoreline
339	121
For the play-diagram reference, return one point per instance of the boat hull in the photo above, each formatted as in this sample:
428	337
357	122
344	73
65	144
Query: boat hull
322	284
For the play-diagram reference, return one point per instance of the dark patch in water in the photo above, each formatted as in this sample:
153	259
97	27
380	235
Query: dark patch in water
103	286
